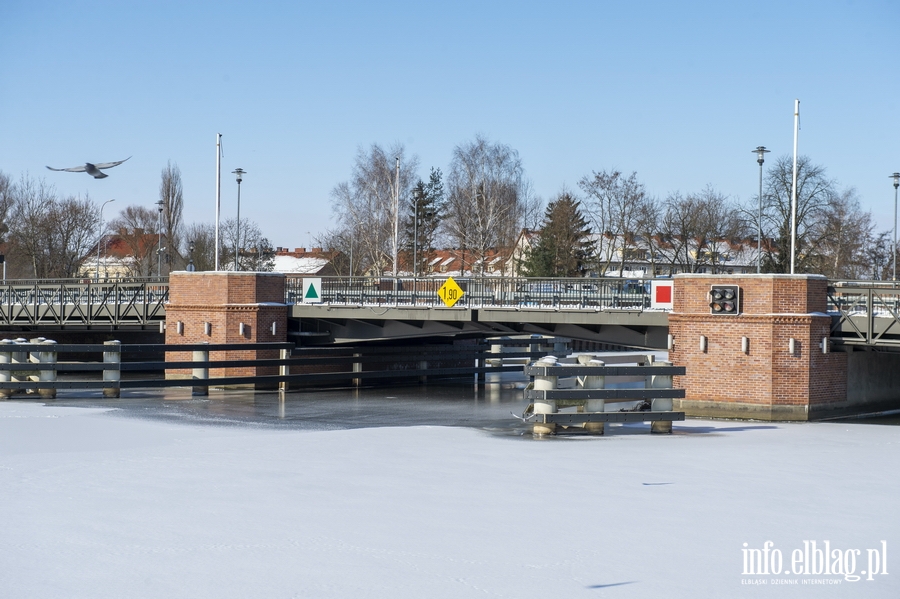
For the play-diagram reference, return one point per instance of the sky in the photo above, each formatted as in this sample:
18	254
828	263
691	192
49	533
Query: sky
678	92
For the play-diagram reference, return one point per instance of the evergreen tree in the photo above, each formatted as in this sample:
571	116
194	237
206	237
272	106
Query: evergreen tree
564	244
427	205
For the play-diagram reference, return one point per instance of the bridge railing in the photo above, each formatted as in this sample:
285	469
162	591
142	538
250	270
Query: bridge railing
481	292
80	301
865	312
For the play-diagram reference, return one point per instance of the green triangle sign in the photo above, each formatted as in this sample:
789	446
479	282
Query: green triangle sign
311	293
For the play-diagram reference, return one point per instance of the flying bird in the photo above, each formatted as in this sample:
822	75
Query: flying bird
91	169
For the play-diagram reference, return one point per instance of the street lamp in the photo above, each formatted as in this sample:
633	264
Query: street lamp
417	197
761	152
396	220
159	248
896	177
239	175
100	238
190	267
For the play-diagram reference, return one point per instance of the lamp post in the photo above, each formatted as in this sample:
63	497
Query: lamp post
761	152
190	266
896	178
239	175
396	239
417	197
99	239
159	248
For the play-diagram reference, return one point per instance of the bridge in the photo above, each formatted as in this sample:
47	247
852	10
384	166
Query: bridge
610	310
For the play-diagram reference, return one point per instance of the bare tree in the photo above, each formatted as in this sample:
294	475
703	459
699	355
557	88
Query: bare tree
364	206
697	230
50	237
486	197
814	193
170	194
841	237
6	203
137	228
614	206
203	238
256	252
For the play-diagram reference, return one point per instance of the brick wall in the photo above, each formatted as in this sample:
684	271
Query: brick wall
225	300
767	381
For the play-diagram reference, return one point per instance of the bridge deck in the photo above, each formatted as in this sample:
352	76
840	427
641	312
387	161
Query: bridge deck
864	313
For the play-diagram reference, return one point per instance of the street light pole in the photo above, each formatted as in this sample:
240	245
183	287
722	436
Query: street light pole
417	196
190	267
100	238
159	248
239	175
761	152
396	220
896	177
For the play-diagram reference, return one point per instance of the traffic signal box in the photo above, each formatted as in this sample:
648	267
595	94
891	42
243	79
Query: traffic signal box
725	299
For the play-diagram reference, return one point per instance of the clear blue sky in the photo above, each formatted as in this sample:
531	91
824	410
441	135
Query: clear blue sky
680	92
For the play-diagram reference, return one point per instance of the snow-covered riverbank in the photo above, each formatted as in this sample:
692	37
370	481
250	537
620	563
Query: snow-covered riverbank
95	504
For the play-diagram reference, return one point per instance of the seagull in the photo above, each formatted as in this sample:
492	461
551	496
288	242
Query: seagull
91	169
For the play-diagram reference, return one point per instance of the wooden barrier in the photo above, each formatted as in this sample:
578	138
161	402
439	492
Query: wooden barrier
591	396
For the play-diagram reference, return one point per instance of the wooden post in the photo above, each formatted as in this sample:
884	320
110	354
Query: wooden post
594	405
6	358
201	371
548	406
357	367
661	404
283	369
47	357
112	371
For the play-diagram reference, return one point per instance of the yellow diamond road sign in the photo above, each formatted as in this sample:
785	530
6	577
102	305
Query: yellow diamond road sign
450	292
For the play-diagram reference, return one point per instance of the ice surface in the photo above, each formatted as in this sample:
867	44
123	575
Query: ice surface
96	503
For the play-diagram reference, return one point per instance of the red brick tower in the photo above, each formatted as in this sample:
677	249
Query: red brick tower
741	365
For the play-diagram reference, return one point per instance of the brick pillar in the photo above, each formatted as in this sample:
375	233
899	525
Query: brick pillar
212	306
758	378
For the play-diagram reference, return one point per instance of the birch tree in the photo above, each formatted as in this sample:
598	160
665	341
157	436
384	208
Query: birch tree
365	207
487	195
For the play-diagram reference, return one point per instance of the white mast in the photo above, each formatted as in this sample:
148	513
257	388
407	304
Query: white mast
794	188
218	191
396	219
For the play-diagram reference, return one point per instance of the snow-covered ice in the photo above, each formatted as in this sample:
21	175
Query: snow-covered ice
96	504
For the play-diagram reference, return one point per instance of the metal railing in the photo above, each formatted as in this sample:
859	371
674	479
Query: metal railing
83	302
34	366
865	312
481	292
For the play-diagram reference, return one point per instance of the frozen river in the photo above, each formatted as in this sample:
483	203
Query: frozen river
438	493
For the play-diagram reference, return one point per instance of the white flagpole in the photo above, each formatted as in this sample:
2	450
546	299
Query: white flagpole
396	219
218	191
794	188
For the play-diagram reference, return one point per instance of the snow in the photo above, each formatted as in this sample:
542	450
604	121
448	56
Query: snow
99	504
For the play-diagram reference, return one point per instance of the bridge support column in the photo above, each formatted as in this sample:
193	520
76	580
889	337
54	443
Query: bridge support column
201	371
227	308
112	372
660	404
